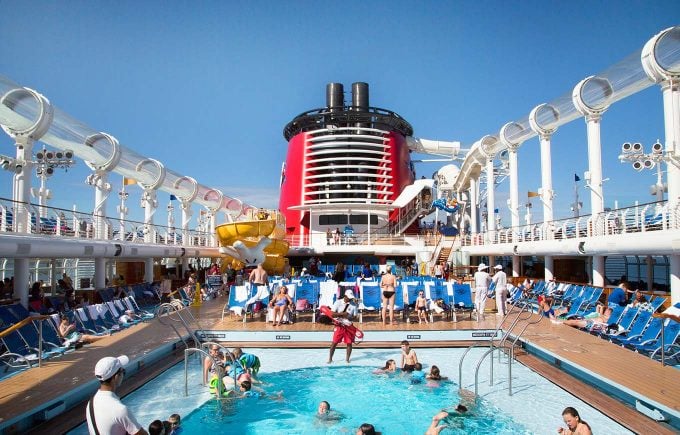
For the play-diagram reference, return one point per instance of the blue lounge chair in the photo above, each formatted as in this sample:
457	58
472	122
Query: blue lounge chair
653	347
369	299
28	341
651	333
639	325
461	300
131	304
309	292
238	296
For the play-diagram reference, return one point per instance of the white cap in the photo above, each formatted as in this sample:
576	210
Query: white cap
304	269
482	266
349	294
109	366
498	267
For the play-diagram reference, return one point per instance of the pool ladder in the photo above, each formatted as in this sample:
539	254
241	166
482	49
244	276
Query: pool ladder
220	370
172	313
519	310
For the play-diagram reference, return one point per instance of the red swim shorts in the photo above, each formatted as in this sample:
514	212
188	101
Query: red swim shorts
342	334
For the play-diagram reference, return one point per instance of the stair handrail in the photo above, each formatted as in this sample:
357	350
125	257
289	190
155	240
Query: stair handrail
490	342
511	355
173	308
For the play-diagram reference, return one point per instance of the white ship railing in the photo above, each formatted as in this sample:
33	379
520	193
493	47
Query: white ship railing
654	216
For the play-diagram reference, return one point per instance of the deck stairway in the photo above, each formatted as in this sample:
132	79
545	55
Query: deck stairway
444	254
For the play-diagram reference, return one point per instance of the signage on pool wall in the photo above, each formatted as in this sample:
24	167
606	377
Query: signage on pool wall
413	337
483	334
283	337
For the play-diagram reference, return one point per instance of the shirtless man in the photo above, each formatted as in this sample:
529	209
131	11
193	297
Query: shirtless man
409	359
387	285
258	277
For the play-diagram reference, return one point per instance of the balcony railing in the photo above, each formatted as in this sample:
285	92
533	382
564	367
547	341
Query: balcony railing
655	216
57	222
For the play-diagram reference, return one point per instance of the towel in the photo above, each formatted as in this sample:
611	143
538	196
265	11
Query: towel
119	305
112	308
328	294
81	314
241	293
262	293
93	311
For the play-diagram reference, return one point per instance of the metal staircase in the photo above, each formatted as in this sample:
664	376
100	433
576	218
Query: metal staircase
523	310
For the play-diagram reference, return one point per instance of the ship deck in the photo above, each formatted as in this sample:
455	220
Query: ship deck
639	376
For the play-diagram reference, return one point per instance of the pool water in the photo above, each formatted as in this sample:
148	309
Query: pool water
392	404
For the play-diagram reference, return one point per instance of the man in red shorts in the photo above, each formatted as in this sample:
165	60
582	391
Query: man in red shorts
343	308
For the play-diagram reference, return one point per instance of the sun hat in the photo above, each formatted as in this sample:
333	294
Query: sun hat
498	267
109	366
482	266
349	294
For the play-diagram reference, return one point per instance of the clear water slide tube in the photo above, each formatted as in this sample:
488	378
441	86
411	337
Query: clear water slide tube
22	108
619	81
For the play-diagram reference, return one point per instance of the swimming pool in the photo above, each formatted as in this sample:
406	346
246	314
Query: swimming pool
393	404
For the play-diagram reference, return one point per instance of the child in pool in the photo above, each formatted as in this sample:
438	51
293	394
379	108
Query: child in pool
409	359
390	367
434	378
418	375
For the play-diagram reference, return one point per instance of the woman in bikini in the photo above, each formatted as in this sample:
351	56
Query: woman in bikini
387	285
280	304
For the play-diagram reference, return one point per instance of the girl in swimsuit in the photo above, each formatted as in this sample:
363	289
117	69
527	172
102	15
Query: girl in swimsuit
387	284
280	305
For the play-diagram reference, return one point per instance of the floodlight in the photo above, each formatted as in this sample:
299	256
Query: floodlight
648	163
657	148
627	147
638	165
637	147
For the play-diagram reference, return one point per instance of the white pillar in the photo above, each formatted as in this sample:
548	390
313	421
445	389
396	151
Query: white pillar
148	270
474	206
102	190
547	197
99	273
149	203
186	218
22	215
514	204
490	235
669	81
597	104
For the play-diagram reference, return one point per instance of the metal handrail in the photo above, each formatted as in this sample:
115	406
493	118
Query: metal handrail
492	347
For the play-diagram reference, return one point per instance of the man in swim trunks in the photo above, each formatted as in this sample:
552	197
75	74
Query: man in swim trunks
409	359
340	332
258	277
387	285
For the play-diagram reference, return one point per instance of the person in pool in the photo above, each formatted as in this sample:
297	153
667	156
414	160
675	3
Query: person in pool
448	419
325	413
409	359
390	367
575	426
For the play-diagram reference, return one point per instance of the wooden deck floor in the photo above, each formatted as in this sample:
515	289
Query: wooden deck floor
640	375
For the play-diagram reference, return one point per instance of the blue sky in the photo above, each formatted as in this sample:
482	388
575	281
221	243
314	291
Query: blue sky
207	87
